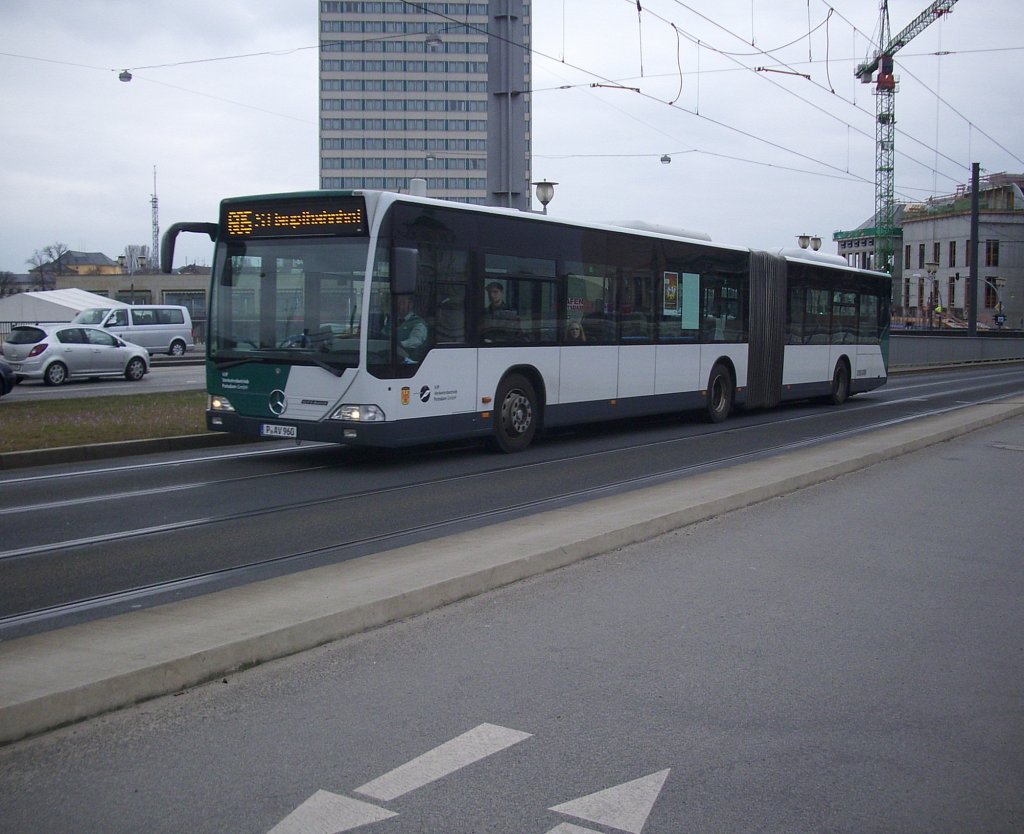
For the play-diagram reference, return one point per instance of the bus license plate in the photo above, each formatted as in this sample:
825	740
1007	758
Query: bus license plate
268	430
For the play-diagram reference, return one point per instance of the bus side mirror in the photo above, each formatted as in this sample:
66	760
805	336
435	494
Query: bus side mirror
167	244
403	270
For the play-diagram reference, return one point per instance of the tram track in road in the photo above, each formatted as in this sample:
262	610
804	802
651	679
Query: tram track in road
339	550
150	530
879	397
506	466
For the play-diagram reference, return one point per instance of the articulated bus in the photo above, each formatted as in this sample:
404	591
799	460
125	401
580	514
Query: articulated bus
383	319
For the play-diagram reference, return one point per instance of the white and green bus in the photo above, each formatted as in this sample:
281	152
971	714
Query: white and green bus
384	319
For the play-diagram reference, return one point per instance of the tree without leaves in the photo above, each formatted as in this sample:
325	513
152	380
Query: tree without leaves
49	261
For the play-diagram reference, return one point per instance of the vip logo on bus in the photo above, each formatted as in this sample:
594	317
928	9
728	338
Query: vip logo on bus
425	394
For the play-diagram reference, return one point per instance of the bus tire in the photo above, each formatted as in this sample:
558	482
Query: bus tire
840	383
721	391
515	415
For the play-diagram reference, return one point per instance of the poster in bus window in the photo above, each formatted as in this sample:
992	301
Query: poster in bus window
670	294
689	301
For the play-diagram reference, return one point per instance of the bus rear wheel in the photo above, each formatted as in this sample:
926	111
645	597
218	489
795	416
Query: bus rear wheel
515	418
721	391
840	384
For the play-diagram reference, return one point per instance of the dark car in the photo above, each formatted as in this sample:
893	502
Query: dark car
7	380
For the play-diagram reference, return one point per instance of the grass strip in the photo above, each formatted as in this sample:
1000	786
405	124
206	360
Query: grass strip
49	424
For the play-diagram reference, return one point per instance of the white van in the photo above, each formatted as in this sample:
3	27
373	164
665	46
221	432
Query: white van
159	328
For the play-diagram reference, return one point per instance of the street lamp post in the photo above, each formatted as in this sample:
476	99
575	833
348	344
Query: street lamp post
545	192
936	294
813	241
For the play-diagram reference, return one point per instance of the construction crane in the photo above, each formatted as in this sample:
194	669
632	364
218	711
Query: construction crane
884	231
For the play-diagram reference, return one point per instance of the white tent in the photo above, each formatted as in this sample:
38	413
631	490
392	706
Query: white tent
50	305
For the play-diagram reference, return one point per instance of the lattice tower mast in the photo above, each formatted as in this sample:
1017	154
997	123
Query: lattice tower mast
154	252
885	230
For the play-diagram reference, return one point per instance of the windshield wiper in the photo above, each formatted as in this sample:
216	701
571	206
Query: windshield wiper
337	369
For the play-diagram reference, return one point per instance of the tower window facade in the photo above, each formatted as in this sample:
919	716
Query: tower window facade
409	82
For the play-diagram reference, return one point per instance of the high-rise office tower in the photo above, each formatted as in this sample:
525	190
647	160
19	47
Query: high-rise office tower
437	91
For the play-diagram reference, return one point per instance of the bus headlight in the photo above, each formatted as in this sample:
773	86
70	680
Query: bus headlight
215	402
359	414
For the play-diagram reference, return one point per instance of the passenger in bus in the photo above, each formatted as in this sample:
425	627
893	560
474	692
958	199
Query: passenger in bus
574	333
412	330
496	305
499	322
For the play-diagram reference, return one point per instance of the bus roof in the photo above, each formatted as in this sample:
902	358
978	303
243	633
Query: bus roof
384	199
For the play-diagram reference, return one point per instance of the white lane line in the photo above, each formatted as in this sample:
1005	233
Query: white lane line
569	828
105	537
624	806
164	464
460	752
328	813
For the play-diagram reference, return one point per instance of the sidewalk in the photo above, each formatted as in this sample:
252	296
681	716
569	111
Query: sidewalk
60	677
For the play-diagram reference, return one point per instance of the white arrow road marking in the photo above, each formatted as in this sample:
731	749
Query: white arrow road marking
569	828
460	752
624	806
328	813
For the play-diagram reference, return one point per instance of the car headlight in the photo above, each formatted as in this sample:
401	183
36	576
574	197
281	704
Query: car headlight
215	402
359	414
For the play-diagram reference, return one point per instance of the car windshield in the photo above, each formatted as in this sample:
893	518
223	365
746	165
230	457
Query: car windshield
294	300
25	335
92	316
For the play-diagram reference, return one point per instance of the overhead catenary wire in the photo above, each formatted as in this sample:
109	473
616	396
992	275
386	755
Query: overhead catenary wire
613	82
903	67
648	96
791	92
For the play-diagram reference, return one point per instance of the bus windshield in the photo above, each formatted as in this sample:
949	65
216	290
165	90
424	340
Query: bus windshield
288	300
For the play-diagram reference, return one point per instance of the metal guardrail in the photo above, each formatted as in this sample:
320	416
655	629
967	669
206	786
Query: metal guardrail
941	347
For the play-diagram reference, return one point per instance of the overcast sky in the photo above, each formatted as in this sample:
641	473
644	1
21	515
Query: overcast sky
758	157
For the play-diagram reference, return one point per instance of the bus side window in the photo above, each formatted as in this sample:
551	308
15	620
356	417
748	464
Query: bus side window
795	316
451	314
636	303
724	308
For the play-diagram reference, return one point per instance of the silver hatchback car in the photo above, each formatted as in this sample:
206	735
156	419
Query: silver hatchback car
54	353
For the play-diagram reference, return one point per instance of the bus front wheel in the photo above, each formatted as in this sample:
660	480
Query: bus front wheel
515	417
720	393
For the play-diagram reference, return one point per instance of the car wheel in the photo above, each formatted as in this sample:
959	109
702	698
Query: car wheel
56	374
135	369
177	348
515	418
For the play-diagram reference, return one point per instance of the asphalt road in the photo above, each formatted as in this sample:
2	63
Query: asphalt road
92	539
847	658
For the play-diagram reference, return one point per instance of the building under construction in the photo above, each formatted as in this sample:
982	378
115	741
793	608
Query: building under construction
930	285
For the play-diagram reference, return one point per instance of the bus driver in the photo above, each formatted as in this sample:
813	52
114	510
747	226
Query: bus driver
412	330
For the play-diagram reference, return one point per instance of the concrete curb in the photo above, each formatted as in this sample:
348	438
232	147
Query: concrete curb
60	677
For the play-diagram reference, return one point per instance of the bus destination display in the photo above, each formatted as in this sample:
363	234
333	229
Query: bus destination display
334	217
